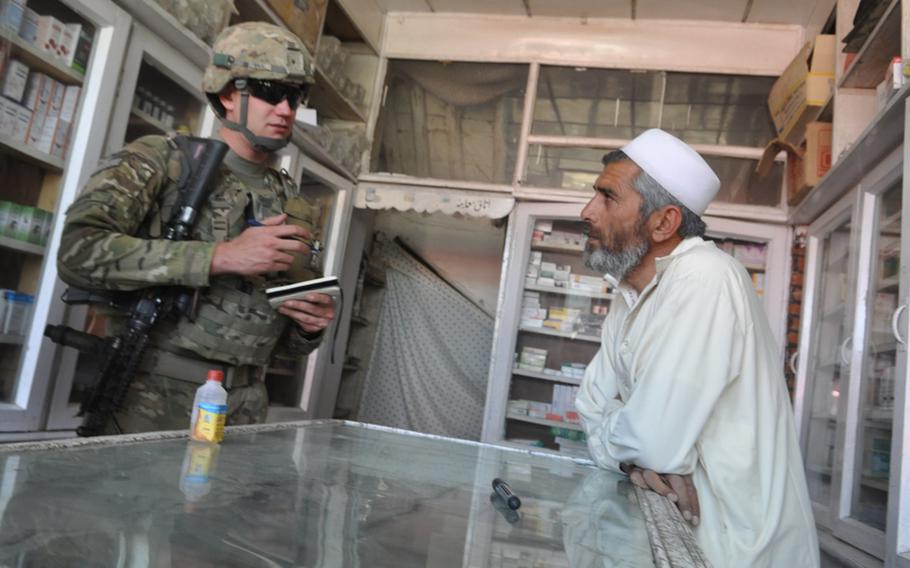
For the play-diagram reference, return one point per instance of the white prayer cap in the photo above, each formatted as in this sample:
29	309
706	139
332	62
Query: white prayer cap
676	167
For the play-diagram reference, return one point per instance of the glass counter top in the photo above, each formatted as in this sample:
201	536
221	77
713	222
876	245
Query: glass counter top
316	494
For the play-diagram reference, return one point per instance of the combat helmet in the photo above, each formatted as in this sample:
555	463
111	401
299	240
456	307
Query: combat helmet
255	50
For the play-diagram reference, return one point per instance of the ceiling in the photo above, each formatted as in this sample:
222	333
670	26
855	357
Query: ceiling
797	12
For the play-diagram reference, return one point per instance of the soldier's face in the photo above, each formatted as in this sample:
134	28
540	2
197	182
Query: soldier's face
262	118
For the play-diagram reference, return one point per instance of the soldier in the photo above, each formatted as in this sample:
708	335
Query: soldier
252	233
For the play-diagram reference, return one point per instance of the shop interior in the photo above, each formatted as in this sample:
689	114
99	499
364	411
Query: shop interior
450	146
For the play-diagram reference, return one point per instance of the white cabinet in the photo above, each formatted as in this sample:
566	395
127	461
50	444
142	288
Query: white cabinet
35	179
851	395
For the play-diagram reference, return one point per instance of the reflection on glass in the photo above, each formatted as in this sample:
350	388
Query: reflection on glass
562	312
614	103
320	495
458	121
831	362
873	436
577	168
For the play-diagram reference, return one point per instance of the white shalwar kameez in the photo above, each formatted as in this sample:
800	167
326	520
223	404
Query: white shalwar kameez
702	392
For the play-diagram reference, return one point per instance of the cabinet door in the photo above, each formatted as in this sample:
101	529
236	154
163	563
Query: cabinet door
48	181
550	314
158	94
825	361
897	551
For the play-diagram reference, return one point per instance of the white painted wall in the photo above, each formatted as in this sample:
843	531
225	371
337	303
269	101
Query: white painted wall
467	251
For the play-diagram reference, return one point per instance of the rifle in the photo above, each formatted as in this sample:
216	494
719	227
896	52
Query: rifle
121	354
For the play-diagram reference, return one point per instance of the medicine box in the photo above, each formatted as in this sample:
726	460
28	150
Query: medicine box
14	80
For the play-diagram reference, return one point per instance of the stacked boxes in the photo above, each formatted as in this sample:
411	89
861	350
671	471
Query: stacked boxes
68	44
25	223
37	109
532	359
544	234
561	408
532	314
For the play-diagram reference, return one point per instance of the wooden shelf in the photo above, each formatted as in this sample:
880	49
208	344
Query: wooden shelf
884	133
172	32
554	333
889	283
544	422
39	60
280	372
537	245
30	154
880	416
570	292
754	267
330	102
307	142
8	339
873	482
546	377
146	120
868	68
21	246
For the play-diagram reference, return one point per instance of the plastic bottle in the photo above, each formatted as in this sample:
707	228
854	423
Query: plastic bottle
209	409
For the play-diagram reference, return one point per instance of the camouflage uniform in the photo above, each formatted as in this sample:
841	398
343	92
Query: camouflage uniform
111	241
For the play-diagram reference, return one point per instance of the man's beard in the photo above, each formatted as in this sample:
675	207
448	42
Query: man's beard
618	261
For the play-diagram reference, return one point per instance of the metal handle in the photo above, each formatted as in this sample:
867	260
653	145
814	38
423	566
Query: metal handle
895	318
844	350
792	362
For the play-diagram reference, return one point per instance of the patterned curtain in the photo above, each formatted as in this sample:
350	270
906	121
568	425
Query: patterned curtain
429	365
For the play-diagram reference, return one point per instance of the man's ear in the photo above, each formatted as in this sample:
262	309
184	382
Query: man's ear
665	223
227	99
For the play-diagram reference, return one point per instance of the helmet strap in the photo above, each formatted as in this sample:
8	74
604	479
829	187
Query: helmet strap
260	143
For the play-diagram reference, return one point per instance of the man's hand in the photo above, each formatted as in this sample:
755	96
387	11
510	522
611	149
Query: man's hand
312	314
258	250
677	488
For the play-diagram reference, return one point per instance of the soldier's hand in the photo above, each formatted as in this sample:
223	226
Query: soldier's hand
313	313
258	250
677	488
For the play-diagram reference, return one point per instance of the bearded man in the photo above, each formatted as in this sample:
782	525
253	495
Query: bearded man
687	393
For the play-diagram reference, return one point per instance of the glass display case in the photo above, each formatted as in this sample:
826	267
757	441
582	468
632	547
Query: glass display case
853	360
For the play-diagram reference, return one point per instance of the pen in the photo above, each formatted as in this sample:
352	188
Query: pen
505	493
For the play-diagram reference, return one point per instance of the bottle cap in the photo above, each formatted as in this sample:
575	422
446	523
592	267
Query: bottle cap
215	375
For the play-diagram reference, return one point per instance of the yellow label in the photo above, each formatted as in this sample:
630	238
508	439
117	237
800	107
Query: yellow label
209	425
202	460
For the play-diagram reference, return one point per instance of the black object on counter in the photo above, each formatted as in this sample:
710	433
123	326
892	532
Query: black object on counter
505	493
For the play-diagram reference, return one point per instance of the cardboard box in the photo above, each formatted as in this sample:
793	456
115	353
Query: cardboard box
28	29
83	50
801	91
11	12
805	166
304	18
817	157
49	35
15	79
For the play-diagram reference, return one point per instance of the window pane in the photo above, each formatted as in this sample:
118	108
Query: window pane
615	103
458	121
577	168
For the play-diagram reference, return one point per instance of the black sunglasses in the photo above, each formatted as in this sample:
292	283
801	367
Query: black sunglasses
274	92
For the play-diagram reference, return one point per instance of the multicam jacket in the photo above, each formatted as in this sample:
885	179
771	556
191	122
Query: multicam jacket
111	241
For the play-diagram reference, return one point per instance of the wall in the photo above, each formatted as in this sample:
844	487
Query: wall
467	251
